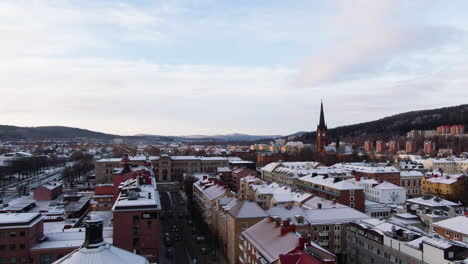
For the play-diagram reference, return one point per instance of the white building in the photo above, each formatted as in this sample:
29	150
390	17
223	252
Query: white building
385	192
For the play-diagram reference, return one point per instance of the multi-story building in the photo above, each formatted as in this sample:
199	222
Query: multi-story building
239	218
286	173
136	214
384	192
410	146
457	129
378	171
455	228
167	168
238	174
369	146
393	146
19	232
447	165
387	242
432	209
429	147
205	193
245	186
268	239
411	181
341	191
265	158
447	186
380	146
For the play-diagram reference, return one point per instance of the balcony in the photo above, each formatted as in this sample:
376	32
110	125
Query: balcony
324	233
323	243
241	259
241	247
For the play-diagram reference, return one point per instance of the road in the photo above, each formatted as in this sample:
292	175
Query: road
187	249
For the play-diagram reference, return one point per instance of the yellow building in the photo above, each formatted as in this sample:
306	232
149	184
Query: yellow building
447	186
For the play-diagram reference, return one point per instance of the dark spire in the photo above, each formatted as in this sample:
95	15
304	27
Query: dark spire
322	117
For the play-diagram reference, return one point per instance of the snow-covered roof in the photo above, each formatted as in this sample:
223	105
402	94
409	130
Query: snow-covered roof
291	197
432	201
247	209
457	224
366	167
145	195
388	186
340	215
17	218
70	238
437	177
330	182
411	174
267	239
224	169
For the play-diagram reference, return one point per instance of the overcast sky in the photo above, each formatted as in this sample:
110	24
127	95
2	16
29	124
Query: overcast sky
212	67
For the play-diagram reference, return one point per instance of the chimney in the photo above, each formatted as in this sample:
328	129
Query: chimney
277	224
93	235
286	223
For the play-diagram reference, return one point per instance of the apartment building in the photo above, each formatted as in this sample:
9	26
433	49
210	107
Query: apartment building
447	165
167	168
382	241
205	193
447	186
378	171
343	192
384	192
136	214
285	173
411	181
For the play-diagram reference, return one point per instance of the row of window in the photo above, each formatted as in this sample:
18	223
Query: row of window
12	247
21	259
12	234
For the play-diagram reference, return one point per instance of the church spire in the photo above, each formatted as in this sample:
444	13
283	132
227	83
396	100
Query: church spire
322	117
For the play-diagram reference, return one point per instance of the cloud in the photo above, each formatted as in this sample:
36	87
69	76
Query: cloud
369	35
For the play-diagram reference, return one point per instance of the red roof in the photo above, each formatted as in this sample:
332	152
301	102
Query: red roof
297	258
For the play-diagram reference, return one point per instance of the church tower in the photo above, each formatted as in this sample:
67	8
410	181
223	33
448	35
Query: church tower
322	132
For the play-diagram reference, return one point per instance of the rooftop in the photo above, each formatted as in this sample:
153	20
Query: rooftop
331	182
457	224
134	194
17	218
247	209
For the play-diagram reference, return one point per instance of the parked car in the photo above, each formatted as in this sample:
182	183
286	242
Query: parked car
200	238
167	241
194	230
204	250
190	222
174	228
177	237
170	252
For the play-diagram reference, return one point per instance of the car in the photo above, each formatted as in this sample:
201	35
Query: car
194	230
174	228
190	222
204	250
177	237
170	252
167	235
67	226
200	238
181	202
167	241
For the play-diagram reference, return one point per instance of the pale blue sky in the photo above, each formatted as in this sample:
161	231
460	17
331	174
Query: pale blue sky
209	67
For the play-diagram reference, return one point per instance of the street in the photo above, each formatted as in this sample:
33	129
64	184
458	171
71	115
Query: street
178	212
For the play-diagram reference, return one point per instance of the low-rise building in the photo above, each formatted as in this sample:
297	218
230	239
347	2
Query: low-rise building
455	228
48	191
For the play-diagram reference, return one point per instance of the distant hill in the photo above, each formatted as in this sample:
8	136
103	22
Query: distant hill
61	132
48	132
398	125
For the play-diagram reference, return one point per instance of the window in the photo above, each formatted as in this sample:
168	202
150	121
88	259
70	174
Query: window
2	235
13	260
315	229
351	198
12	246
447	233
135	219
136	230
148	223
46	258
456	235
2	247
351	204
337	228
326	228
22	246
351	192
23	259
244	225
12	234
136	242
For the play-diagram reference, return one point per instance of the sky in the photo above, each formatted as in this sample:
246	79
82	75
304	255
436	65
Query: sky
187	67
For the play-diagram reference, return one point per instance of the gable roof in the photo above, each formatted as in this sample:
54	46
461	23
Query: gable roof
247	209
